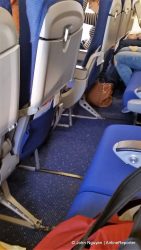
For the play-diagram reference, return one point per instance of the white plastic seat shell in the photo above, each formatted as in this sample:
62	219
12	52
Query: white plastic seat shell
9	78
56	55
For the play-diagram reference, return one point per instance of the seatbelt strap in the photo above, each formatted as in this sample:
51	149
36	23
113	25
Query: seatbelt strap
124	193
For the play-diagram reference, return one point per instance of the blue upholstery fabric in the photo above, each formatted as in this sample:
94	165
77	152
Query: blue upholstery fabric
134	83
80	1
105	173
88	204
98	37
36	133
6	4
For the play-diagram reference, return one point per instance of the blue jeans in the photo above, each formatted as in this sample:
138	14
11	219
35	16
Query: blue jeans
126	62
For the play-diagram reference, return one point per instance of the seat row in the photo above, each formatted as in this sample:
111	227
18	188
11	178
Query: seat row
32	76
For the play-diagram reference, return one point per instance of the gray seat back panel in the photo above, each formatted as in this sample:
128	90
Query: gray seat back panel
112	25
9	73
125	19
57	50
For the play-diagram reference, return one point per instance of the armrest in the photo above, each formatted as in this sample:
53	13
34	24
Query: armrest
80	73
128	146
138	92
129	152
81	54
134	106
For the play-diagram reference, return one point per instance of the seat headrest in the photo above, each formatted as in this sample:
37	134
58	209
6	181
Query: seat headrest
57	20
8	33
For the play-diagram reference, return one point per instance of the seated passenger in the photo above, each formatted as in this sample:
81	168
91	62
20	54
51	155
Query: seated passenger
91	19
128	59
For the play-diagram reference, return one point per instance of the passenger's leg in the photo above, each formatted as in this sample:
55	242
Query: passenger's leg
125	62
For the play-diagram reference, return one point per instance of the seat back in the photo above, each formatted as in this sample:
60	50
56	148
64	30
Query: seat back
9	90
104	37
50	33
9	68
131	19
105	34
59	41
125	21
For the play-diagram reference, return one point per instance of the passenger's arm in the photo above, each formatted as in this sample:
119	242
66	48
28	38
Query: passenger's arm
129	151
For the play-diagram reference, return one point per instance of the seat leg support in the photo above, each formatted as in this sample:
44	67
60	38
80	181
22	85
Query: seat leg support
10	202
69	115
48	171
85	105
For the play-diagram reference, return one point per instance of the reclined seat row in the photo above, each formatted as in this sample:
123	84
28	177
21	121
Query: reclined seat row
48	34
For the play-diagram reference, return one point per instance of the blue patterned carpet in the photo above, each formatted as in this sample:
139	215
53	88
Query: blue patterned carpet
48	196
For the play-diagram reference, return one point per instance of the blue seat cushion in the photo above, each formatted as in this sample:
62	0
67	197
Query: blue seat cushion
105	173
134	83
88	204
36	133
